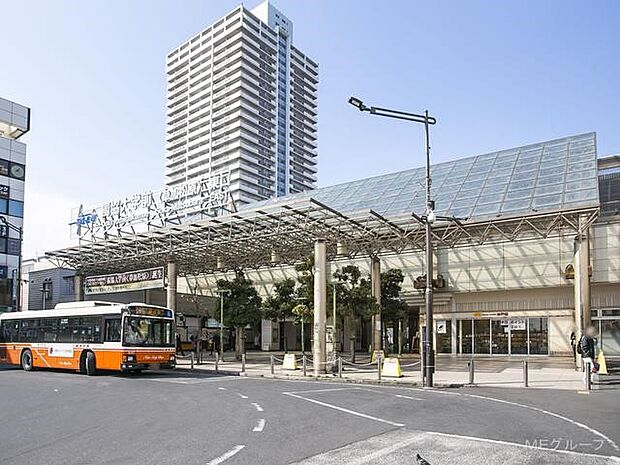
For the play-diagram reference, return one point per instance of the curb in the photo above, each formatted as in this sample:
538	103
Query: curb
325	378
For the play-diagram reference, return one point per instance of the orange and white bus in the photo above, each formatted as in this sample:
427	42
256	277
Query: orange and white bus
90	336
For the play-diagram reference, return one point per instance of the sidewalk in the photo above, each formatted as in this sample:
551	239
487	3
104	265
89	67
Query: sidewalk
543	372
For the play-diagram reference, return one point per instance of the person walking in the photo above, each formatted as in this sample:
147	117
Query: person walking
587	349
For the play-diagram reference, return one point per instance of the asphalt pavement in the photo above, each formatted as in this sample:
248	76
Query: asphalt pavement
54	418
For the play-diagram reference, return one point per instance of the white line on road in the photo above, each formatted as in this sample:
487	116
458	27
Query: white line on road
536	409
222	388
260	426
525	446
258	407
326	390
242	396
235	450
408	397
345	410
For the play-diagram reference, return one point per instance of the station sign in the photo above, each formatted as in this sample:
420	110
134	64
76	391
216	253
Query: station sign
152	278
141	212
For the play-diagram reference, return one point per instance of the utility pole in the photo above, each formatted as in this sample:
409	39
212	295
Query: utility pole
427	358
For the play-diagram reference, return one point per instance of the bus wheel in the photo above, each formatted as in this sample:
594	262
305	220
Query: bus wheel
26	360
91	366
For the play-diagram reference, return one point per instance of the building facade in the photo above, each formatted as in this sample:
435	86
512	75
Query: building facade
14	123
242	100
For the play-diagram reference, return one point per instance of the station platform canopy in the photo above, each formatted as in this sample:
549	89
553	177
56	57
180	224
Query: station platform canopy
535	191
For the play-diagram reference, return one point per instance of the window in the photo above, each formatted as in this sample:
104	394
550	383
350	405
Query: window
16	208
13	246
112	330
67	286
9	330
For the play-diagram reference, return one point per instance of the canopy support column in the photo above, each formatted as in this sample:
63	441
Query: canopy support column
320	307
375	280
78	287
582	282
171	292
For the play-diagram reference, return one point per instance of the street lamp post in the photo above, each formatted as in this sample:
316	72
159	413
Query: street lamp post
222	292
18	275
428	358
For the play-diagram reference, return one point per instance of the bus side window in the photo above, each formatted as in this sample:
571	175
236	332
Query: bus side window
9	330
112	329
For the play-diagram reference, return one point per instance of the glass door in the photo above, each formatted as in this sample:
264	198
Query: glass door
500	337
482	337
538	336
518	336
609	336
465	336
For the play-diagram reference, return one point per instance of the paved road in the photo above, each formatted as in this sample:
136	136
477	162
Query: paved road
175	418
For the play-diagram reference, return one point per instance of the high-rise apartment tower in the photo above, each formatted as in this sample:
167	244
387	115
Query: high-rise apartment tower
241	99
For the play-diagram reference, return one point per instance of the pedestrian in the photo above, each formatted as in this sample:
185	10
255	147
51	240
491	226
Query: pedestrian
192	339
211	344
587	349
216	344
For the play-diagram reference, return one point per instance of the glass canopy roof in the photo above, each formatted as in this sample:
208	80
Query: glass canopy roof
556	175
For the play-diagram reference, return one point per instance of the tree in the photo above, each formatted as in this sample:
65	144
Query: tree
393	308
305	281
241	308
354	300
279	305
303	314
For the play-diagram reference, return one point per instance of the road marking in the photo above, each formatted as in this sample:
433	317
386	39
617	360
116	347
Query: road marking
198	380
222	388
235	450
260	426
408	397
547	412
242	396
258	407
326	390
345	410
524	446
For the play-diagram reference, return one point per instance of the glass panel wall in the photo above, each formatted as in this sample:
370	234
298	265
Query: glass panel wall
482	336
465	336
500	336
443	336
518	337
538	336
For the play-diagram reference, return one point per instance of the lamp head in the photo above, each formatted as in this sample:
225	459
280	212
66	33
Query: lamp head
357	103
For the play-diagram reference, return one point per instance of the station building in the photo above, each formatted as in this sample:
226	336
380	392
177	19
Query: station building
531	256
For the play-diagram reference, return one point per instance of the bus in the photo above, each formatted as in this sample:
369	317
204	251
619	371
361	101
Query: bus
90	336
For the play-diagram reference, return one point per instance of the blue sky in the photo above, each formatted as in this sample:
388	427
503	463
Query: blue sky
495	74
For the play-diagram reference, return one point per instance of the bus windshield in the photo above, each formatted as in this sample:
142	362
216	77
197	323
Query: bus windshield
148	332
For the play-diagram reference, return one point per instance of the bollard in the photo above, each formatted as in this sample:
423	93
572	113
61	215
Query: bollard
217	362
588	376
471	371
191	360
303	364
379	366
242	363
271	363
339	367
525	374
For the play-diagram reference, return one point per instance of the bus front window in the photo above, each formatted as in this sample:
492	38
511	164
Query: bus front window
152	332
